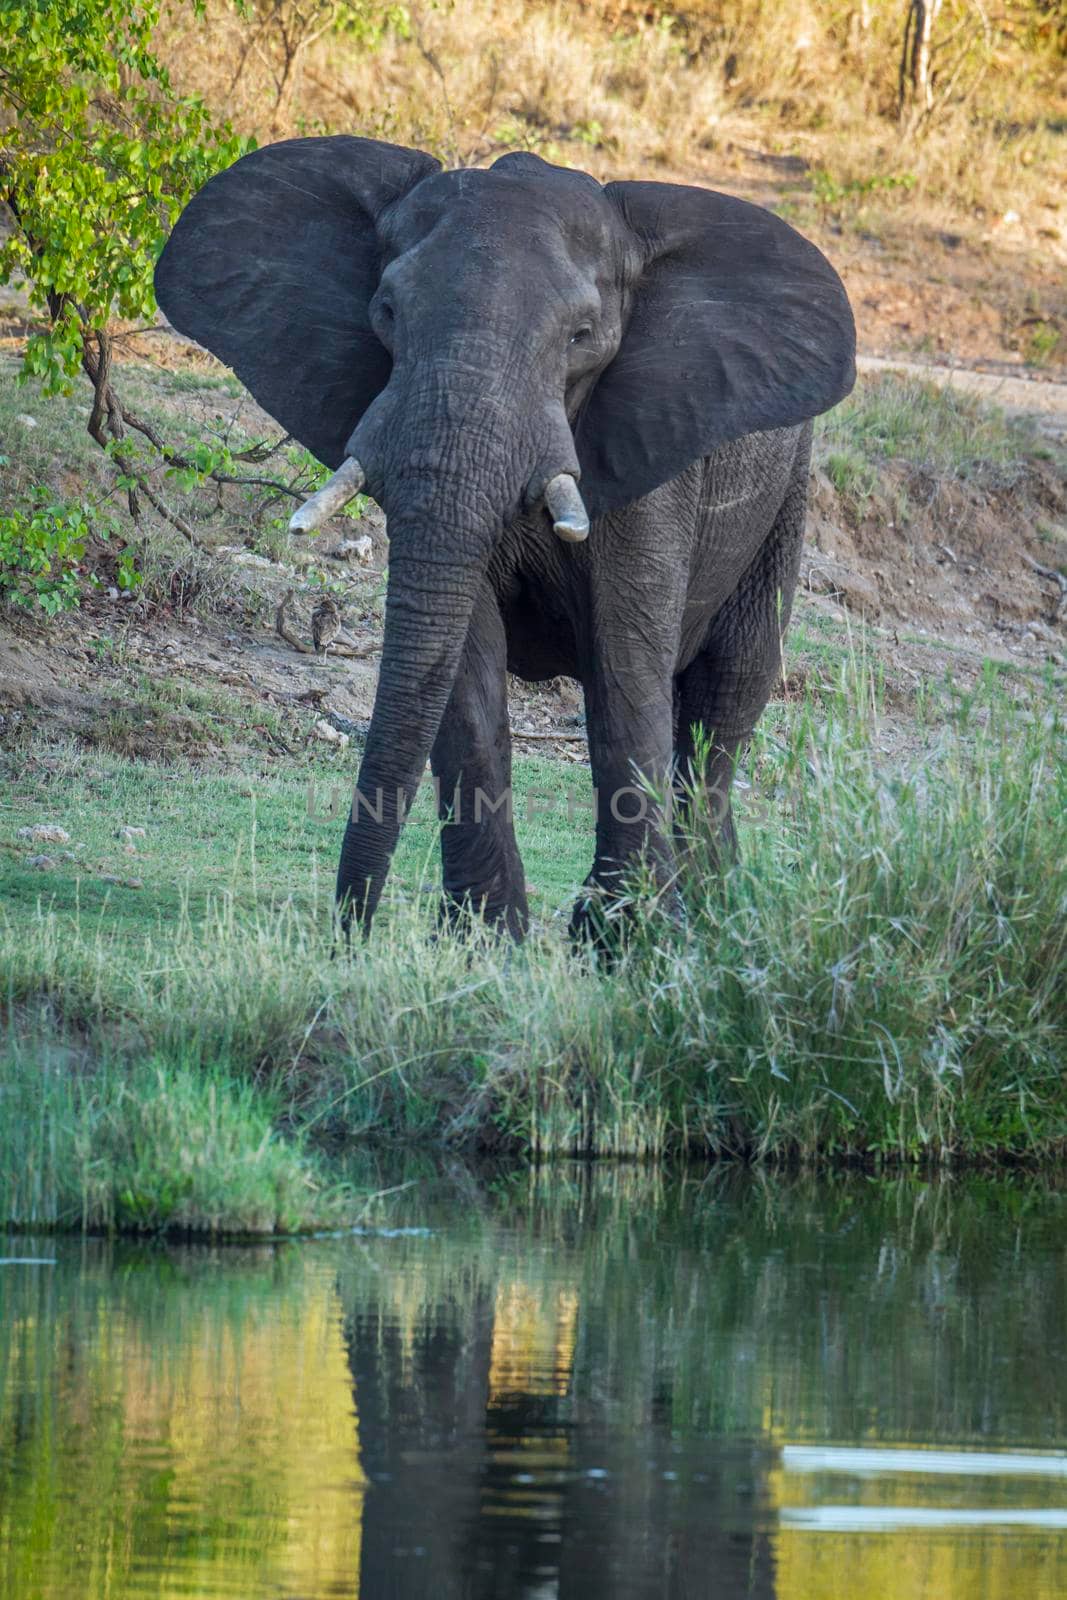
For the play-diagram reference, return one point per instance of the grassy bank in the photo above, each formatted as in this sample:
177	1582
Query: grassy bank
139	1144
882	976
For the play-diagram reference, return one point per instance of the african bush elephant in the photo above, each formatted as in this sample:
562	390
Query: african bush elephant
469	345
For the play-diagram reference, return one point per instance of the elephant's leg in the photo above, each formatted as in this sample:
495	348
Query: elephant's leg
708	749
627	674
630	750
631	756
722	693
471	764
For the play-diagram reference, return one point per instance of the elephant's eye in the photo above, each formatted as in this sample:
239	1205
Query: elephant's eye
582	335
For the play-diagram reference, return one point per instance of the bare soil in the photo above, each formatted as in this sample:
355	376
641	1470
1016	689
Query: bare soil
965	564
956	584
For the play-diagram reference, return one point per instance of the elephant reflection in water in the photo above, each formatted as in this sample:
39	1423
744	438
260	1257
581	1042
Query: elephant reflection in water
494	1473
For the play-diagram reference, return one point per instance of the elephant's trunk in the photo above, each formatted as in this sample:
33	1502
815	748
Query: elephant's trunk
428	610
451	468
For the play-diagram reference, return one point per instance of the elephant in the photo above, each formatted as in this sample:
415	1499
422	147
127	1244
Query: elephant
586	411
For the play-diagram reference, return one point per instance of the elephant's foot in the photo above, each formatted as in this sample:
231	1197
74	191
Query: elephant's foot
465	913
607	920
600	926
604	921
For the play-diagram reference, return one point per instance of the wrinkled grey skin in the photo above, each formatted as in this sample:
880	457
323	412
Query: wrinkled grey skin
679	628
519	310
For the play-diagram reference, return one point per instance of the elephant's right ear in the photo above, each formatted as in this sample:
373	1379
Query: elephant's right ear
738	325
272	266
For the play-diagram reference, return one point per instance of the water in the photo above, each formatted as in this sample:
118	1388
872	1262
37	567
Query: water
588	1384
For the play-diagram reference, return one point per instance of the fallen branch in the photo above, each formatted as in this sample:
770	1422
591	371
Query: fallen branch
1055	576
282	628
353	652
569	738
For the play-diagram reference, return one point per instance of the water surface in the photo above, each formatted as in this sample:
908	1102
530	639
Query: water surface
580	1383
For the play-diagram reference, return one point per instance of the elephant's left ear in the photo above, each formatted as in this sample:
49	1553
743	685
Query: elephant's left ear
738	324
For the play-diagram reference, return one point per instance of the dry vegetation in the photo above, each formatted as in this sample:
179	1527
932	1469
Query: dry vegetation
618	86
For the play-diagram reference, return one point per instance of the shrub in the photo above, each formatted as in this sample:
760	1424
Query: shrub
42	552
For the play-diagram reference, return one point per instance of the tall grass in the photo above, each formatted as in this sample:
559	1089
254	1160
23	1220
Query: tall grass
146	1145
881	975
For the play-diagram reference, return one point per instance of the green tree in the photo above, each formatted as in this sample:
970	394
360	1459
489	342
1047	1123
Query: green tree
98	155
97	158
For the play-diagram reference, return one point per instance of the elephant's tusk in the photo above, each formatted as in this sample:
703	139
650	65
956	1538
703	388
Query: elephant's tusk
347	481
565	506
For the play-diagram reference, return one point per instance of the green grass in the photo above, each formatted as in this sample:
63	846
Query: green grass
147	1145
940	431
196	382
850	472
57	451
882	975
260	838
1043	343
817	642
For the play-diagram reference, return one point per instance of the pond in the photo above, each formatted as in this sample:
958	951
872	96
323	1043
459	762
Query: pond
587	1382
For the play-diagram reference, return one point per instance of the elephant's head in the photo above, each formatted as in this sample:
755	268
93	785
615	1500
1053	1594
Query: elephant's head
474	338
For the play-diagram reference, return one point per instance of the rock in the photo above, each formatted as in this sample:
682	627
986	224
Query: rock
331	735
129	833
824	575
41	863
45	833
346	725
133	883
361	550
24	420
248	558
109	877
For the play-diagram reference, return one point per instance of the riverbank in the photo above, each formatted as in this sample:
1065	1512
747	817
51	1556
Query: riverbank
880	979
